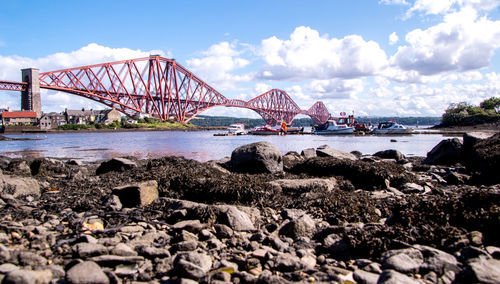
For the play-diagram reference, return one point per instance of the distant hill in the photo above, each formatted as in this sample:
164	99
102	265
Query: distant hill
220	121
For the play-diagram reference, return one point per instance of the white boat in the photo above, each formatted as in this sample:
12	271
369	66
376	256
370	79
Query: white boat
332	128
236	129
391	127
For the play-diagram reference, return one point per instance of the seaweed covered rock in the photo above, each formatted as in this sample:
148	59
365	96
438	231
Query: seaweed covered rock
447	152
485	158
259	157
115	165
361	174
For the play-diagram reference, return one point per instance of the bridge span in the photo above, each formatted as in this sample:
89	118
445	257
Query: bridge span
154	85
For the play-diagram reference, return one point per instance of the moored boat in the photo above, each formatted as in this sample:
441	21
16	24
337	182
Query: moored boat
332	128
236	129
265	130
391	127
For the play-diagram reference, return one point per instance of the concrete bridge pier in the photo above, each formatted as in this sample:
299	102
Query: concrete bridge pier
30	99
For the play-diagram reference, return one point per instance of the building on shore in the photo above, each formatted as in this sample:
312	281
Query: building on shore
84	116
19	118
52	120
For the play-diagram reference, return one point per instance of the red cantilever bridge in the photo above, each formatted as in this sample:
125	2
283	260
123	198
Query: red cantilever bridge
158	86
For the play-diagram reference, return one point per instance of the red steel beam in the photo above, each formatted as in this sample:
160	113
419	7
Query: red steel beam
161	88
13	86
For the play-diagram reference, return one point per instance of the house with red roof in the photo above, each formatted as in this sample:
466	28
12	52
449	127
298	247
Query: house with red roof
19	118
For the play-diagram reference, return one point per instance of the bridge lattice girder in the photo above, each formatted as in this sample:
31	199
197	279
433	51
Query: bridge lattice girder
154	85
318	113
162	88
13	86
275	106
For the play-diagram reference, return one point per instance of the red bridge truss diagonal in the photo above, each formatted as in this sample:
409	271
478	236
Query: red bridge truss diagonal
164	89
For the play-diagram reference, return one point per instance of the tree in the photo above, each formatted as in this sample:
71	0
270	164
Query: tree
491	103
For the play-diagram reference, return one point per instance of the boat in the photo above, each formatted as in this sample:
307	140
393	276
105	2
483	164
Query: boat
391	127
236	129
265	130
331	127
363	128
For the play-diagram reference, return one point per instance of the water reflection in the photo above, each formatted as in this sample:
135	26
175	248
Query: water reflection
201	146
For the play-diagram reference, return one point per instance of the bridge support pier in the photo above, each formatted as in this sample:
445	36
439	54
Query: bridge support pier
30	99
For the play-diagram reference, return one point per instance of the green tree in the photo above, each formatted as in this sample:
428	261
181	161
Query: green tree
490	103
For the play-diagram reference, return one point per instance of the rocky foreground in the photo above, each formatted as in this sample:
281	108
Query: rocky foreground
257	217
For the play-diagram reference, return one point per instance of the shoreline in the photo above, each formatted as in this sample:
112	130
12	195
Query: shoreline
321	216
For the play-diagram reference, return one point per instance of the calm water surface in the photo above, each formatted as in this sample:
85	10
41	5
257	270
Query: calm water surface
201	145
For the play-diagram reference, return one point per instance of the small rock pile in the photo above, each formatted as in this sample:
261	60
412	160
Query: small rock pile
257	217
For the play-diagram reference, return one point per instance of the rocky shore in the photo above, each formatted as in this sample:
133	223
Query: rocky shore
321	216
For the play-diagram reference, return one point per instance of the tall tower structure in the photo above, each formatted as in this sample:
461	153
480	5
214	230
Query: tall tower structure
30	99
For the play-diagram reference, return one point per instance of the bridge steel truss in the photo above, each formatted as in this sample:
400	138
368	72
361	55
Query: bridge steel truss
13	86
164	89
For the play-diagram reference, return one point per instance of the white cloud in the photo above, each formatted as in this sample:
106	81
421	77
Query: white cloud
463	42
336	88
307	55
216	65
393	38
440	7
93	53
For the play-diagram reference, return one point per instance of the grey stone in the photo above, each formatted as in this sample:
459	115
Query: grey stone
437	260
115	165
185	246
411	187
7	267
238	220
364	277
152	252
447	152
223	231
308	153
290	159
115	259
193	226
32	259
288	263
390	154
394	277
259	157
327	151
192	265
86	272
485	270
402	263
23	276
137	195
304	226
19	186
123	250
84	250
4	253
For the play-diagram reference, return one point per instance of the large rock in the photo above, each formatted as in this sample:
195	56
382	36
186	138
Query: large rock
115	165
290	159
327	151
260	157
485	270
394	277
137	195
485	159
390	154
23	276
19	186
447	152
304	226
86	272
192	265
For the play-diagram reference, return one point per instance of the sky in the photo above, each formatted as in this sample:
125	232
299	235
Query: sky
370	57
